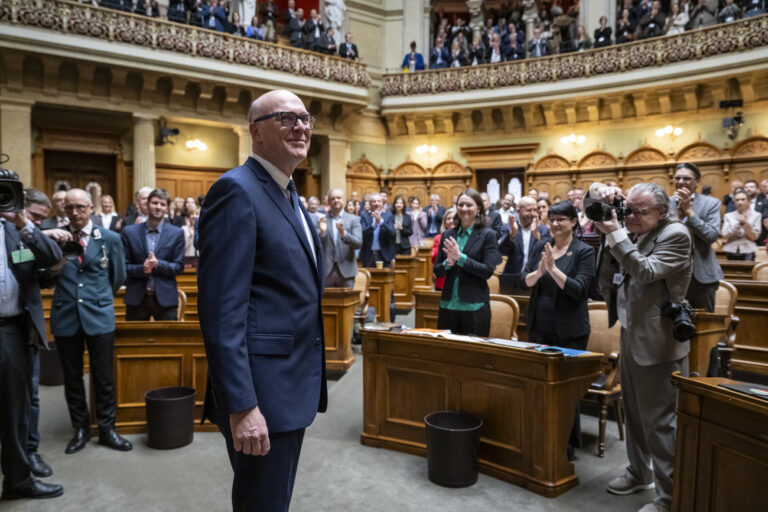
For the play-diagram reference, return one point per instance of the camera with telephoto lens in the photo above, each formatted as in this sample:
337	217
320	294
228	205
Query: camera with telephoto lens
680	313
599	211
11	189
71	250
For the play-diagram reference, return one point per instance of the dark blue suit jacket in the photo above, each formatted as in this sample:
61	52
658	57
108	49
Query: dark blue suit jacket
514	250
259	294
445	57
47	254
386	238
170	263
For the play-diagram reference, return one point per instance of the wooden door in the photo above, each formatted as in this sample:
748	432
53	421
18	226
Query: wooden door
498	182
78	169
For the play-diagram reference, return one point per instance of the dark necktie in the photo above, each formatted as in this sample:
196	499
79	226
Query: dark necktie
295	202
77	236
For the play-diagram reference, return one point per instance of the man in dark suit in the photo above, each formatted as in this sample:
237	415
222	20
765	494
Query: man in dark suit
524	237
439	56
260	282
378	235
154	256
313	28
60	219
295	26
347	49
340	234
538	46
493	215
435	214
326	44
82	312
288	15
23	249
139	215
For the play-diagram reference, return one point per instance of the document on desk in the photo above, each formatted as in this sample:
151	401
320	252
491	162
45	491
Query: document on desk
512	343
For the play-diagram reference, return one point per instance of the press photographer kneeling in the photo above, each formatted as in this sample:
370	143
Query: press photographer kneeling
644	271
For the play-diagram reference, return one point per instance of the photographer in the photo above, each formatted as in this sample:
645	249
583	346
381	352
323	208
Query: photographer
641	278
23	249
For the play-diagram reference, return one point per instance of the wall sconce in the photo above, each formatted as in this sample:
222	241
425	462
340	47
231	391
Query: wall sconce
425	148
196	144
574	141
669	131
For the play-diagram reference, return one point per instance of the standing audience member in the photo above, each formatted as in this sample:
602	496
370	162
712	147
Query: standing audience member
625	28
741	229
457	56
313	207
677	21
476	52
730	12
439	56
23	250
60	219
340	235
402	224
537	46
494	217
703	14
236	27
756	201
312	30
347	49
762	197
603	33
351	206
378	235
140	213
148	8
288	16
542	206
255	30
295	25
268	10
83	312
108	217
190	252
176	212
638	279
560	273
413	61
327	44
652	24
449	222
177	11
467	257
523	238
507	213
435	214
702	216
154	254
419	222
754	8
728	198
583	42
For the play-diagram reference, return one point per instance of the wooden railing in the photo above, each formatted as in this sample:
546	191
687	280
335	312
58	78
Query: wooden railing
693	45
115	26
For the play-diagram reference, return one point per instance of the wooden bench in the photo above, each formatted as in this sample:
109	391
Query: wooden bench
751	348
737	269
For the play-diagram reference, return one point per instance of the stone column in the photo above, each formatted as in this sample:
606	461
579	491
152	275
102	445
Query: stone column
334	162
143	152
16	137
414	28
590	12
244	146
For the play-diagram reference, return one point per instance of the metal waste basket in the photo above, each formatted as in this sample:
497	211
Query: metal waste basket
170	417
452	439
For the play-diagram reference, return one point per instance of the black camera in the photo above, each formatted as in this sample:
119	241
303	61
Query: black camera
599	211
11	189
680	313
71	250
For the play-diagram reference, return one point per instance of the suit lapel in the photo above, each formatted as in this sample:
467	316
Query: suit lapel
94	245
471	241
163	238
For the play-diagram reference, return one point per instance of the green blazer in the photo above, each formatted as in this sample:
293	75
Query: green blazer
84	295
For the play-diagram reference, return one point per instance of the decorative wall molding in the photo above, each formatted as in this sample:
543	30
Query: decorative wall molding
668	50
115	26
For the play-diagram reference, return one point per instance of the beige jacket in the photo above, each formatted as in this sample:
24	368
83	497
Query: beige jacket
733	232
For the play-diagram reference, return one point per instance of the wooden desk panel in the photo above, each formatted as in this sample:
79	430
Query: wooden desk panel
721	458
525	398
380	291
427	304
339	305
405	273
737	269
423	277
751	349
711	328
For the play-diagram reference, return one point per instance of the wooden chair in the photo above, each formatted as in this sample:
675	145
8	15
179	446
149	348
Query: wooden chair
362	284
500	266
725	304
606	390
182	307
505	312
493	284
760	271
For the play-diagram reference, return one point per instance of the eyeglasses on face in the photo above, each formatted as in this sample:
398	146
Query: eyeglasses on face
639	212
684	178
79	207
289	119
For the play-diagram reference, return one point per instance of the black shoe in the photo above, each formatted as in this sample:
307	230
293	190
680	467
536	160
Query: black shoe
114	441
37	491
38	466
82	435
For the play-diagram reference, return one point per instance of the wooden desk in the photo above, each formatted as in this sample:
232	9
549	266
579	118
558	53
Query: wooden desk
711	328
380	291
737	269
751	349
405	273
187	279
721	460
525	398
339	305
423	277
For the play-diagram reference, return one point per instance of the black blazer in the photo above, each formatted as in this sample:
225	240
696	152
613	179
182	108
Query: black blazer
570	315
96	219
405	244
482	257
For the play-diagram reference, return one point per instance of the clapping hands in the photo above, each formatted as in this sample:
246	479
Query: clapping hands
451	250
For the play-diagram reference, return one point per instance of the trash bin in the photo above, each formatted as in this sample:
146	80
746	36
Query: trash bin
170	417
452	447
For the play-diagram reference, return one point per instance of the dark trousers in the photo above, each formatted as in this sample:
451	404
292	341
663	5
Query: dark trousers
264	483
149	307
34	402
100	351
371	259
702	295
579	343
477	322
740	256
15	378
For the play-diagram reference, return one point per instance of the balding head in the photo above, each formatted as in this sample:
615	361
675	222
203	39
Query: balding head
285	147
526	211
79	207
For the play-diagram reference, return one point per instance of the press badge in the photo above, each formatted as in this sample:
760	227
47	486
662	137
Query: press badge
22	256
618	278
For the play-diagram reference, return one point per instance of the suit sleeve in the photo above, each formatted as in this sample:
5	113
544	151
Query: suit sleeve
47	252
226	257
577	286
506	246
439	268
131	269
672	252
531	266
706	226
354	236
116	265
175	266
484	267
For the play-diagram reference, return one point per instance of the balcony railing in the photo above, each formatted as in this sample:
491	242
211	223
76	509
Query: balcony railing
697	44
115	26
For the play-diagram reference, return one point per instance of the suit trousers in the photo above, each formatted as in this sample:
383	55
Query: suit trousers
149	307
100	352
702	295
34	401
264	483
334	278
466	322
15	378
649	405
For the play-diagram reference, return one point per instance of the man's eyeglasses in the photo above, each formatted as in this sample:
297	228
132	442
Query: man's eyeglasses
683	178
639	212
79	207
289	119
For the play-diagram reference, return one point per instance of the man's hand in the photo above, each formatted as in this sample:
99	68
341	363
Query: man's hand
512	229
150	263
17	218
249	432
322	225
684	203
377	216
535	228
58	235
609	226
340	228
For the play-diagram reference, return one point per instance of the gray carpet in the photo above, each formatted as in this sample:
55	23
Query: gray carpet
336	473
